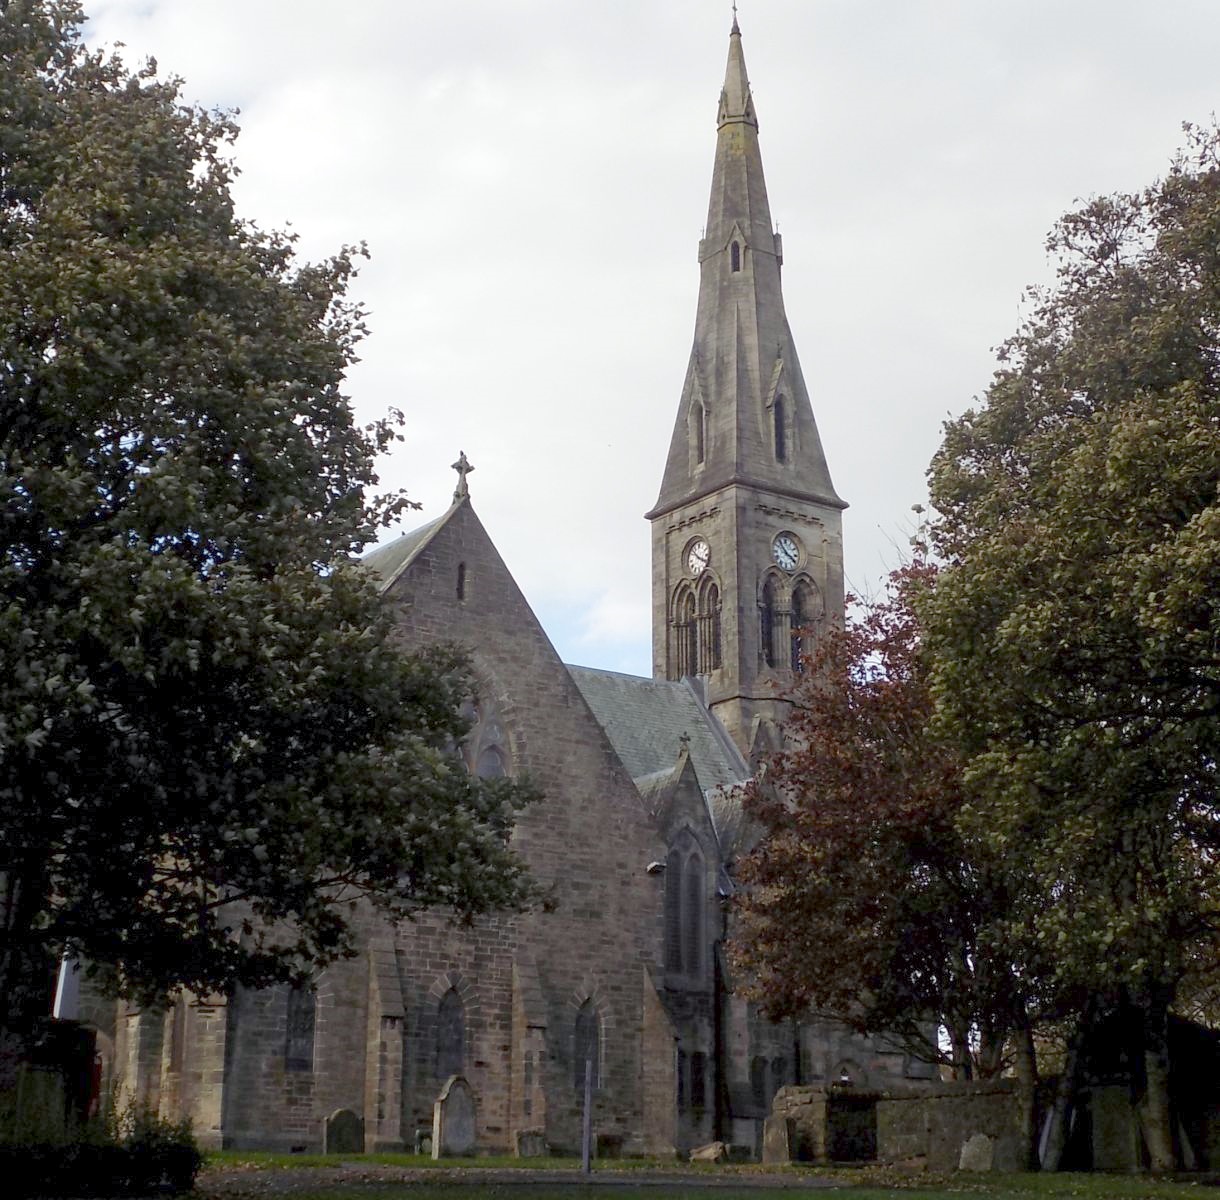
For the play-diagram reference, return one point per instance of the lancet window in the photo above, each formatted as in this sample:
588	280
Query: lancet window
709	628
299	1029
587	1045
735	257
450	1035
698	1080
779	418
698	420
684	917
768	619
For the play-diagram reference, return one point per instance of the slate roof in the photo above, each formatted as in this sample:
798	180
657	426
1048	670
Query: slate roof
644	720
389	561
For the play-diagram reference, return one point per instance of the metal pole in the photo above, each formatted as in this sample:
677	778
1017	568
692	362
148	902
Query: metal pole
586	1133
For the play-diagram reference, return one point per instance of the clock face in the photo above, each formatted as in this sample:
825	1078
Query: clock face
785	551
698	556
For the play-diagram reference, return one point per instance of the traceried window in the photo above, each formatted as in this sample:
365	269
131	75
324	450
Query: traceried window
450	1035
587	1045
299	1029
735	257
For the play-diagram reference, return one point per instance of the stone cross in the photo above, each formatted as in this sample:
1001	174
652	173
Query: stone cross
463	468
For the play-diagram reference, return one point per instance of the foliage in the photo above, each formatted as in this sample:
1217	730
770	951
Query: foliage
209	743
1076	624
127	1152
860	899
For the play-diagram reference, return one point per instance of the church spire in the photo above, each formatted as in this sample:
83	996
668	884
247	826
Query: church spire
745	414
747	542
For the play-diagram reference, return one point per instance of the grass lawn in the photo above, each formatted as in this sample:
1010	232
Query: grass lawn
313	1178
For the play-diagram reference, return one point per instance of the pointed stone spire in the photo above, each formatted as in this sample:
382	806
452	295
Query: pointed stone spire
744	374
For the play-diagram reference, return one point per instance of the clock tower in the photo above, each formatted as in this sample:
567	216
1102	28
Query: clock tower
747	549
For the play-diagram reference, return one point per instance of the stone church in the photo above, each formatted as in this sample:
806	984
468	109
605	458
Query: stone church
641	819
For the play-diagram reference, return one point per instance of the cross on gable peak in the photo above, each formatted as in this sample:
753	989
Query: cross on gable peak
463	468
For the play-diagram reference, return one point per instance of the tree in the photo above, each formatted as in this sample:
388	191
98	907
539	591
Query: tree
209	742
1074	628
860	899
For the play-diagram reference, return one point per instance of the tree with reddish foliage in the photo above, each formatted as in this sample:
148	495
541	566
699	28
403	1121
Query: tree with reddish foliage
860	900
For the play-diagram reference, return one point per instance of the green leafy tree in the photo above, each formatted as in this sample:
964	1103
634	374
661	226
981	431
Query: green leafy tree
209	742
1075	626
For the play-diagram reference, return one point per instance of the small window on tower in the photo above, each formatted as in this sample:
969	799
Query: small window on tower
700	432
461	581
781	430
735	257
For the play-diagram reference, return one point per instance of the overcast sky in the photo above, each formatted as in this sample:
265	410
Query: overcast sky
531	177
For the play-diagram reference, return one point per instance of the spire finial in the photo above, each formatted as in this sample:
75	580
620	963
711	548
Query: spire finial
463	468
735	28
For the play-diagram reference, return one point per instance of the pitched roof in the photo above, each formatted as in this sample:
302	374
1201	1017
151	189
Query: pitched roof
645	720
389	561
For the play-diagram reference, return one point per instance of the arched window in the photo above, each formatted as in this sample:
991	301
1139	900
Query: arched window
767	618
709	628
806	609
699	430
734	257
450	1036
587	1045
698	1080
779	1073
491	763
299	1031
673	911
758	1081
779	413
692	915
686	645
461	581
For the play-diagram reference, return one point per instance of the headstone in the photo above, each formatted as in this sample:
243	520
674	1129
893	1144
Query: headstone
713	1152
342	1133
779	1140
531	1143
453	1129
977	1153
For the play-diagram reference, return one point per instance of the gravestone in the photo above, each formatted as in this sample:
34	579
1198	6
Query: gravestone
531	1143
779	1140
713	1152
342	1133
453	1129
978	1154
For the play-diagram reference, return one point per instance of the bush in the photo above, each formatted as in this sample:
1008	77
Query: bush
137	1153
